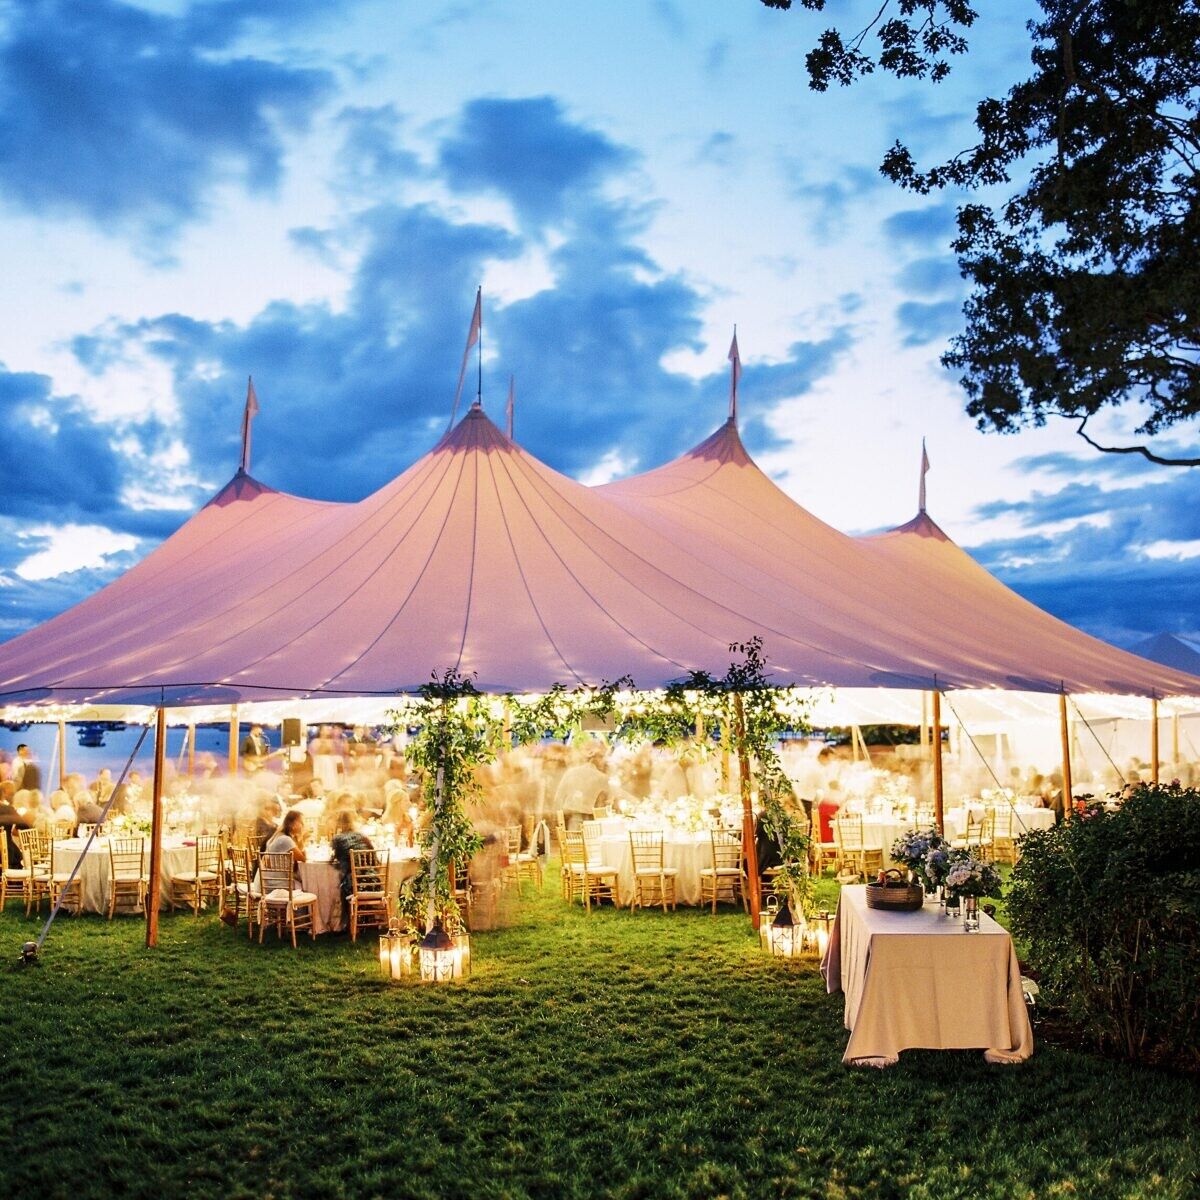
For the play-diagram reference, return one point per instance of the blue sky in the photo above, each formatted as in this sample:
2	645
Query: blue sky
310	192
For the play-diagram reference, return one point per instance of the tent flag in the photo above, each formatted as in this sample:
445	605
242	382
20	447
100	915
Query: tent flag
472	338
735	373
508	408
251	411
924	472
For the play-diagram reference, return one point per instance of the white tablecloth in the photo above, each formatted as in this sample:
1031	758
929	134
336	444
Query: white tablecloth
919	981
1025	818
688	853
883	831
323	878
94	874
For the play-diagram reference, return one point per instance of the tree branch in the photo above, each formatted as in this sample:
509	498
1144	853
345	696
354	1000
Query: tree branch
1142	450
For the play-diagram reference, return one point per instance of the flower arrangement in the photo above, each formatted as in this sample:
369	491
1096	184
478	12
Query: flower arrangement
913	850
937	864
969	876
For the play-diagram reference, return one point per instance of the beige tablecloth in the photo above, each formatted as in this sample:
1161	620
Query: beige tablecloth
1025	818
918	981
325	880
94	874
688	853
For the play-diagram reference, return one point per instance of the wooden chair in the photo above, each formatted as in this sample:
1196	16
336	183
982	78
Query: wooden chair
12	886
652	880
590	880
203	882
1005	831
369	902
127	875
522	864
924	816
244	862
852	847
281	901
978	838
65	891
461	890
565	878
726	878
33	875
61	830
85	831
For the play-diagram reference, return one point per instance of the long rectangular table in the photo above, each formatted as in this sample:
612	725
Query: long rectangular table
919	981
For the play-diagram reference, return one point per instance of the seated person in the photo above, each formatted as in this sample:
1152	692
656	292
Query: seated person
11	820
345	839
291	838
61	808
267	821
87	811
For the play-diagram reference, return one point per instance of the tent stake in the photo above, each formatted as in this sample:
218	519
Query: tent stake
749	848
1154	740
1065	733
154	888
935	732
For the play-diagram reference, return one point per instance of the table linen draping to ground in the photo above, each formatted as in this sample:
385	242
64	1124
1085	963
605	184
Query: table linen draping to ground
324	880
1025	818
94	881
917	980
689	853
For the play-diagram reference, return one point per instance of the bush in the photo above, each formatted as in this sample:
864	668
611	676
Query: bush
1109	907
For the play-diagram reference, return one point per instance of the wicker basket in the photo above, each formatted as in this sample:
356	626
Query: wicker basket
895	894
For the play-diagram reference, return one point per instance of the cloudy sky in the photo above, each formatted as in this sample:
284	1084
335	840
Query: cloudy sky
311	190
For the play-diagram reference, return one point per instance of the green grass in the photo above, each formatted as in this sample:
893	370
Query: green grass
616	1055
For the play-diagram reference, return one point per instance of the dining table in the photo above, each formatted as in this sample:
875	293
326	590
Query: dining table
95	875
686	851
321	876
919	980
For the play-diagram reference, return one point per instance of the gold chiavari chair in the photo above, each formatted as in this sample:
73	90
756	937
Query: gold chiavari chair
12	886
370	904
565	878
244	862
34	871
652	881
1005	831
127	875
590	880
726	878
852	847
281	901
978	836
195	887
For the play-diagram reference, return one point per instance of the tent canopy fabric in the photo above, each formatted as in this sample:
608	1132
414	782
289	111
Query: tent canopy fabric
482	558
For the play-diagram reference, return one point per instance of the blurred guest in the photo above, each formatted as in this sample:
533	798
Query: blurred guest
291	837
61	808
584	786
345	839
27	774
87	811
11	819
103	787
267	821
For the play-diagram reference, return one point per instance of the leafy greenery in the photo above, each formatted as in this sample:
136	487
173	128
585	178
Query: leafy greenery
1086	278
1108	907
616	1055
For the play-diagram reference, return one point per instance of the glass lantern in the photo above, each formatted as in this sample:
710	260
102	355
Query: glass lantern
395	954
442	956
819	925
782	937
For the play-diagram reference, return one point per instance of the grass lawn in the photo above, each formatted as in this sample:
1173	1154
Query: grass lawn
616	1055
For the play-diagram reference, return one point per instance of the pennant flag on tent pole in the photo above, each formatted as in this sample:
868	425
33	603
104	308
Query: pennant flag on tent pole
735	373
924	472
512	397
472	338
251	411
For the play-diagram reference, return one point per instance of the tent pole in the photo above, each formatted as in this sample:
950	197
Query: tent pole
153	889
924	720
939	792
233	740
1154	740
192	750
62	754
1065	733
749	848
1175	740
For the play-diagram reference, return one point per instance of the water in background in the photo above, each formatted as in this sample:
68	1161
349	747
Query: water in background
88	760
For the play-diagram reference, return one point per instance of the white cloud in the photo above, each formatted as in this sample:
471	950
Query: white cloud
71	548
1173	550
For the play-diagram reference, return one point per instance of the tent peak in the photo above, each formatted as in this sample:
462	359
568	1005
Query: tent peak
243	486
723	445
923	525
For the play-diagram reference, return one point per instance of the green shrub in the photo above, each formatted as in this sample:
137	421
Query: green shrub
1109	907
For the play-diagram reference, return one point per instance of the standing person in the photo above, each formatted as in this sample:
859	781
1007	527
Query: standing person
255	748
27	773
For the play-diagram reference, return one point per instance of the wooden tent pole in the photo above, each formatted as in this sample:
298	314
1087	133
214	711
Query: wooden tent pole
1154	740
1064	730
924	720
62	754
749	848
939	787
154	887
233	740
1175	740
192	750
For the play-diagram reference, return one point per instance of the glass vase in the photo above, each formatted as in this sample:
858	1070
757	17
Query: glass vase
953	907
970	914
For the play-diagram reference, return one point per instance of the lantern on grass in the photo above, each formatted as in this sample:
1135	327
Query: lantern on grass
819	925
395	954
782	937
443	957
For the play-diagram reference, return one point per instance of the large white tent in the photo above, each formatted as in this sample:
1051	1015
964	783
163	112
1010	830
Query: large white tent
482	558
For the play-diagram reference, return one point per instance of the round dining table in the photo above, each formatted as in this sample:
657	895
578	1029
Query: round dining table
688	853
179	854
320	875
